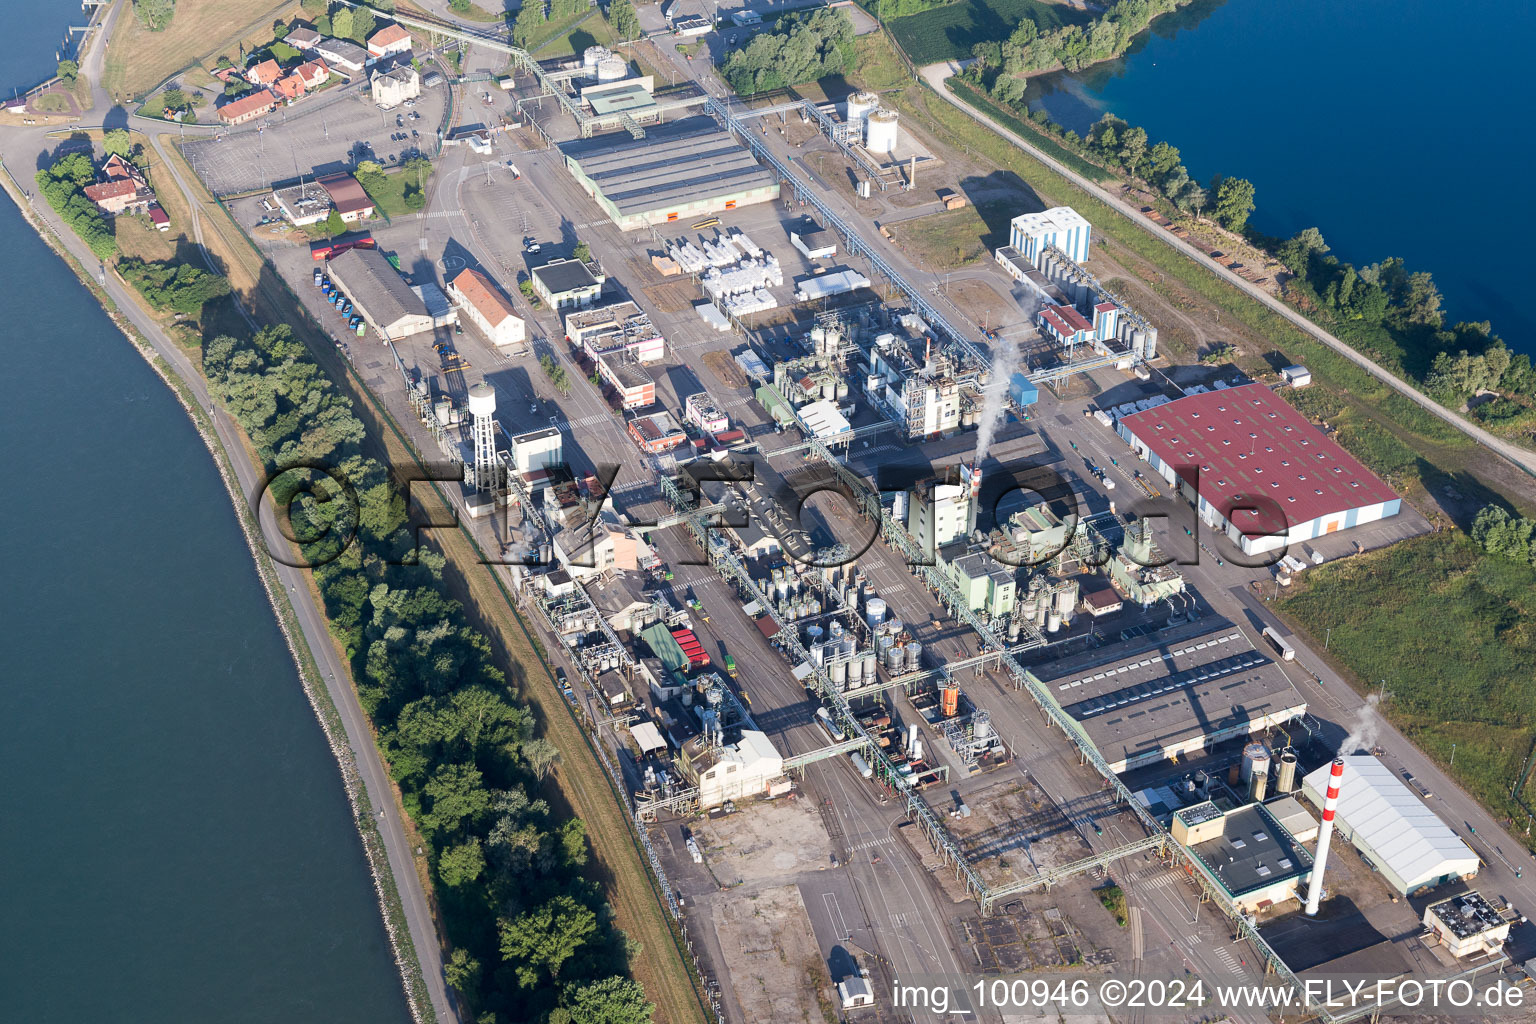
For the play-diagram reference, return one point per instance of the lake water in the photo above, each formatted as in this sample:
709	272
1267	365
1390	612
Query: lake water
1391	125
178	845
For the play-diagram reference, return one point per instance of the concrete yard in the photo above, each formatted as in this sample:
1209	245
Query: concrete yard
777	972
772	839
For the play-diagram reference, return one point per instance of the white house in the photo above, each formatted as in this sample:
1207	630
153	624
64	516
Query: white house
485	307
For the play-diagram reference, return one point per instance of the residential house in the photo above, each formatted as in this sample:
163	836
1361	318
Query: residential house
288	88
393	87
303	38
388	40
265	73
313	73
122	188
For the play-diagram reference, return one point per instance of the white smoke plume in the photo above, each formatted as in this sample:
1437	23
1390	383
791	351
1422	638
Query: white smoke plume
994	398
1363	731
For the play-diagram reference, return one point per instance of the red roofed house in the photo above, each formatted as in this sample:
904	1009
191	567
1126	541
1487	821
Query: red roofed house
348	197
122	188
1256	469
264	73
248	107
388	40
288	88
159	218
486	309
313	73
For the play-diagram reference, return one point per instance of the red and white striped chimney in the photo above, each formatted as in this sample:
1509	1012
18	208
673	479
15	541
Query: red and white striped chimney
1324	835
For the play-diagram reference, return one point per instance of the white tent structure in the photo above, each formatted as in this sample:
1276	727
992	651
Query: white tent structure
1392	827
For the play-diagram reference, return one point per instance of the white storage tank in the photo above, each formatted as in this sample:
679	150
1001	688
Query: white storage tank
880	131
612	69
593	56
874	611
860	106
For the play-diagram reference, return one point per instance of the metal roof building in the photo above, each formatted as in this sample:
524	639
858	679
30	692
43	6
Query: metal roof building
689	168
1171	692
1403	838
1256	468
380	294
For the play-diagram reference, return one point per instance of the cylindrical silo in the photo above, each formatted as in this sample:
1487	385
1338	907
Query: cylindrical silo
847	645
592	57
839	673
1287	781
860	106
819	654
1052	622
895	626
894	660
1151	342
1043	609
950	700
914	656
1139	342
1255	759
612	69
874	611
856	672
880	131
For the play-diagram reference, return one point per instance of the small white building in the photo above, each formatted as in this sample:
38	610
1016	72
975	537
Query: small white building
855	992
567	284
536	450
1411	847
1467	925
1296	376
940	514
387	40
483	305
824	418
744	769
816	242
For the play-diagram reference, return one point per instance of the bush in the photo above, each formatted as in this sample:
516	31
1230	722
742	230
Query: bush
173	286
1112	897
154	15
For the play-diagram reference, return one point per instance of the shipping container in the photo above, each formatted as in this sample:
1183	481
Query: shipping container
1286	651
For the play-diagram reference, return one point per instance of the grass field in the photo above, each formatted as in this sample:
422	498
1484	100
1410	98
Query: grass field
955	238
138	59
580	782
1453	633
573	35
948	33
876	64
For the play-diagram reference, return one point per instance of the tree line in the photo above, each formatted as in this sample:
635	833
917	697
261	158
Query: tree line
533	938
63	185
1073	47
801	48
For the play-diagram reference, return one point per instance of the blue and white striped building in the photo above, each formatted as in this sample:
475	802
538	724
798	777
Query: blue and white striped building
1062	227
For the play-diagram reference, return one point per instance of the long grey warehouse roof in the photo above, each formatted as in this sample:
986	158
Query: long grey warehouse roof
672	165
1140	695
372	283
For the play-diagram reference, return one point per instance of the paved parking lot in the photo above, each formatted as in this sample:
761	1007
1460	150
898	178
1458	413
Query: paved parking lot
323	134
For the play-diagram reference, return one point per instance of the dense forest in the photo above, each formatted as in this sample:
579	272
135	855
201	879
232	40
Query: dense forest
533	936
801	48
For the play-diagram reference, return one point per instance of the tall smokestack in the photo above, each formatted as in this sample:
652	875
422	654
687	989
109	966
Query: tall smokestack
975	482
1324	835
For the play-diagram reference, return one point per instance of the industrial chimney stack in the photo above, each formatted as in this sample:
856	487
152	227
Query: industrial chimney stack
1330	804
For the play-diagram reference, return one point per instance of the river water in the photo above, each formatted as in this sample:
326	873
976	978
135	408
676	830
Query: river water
1394	126
178	845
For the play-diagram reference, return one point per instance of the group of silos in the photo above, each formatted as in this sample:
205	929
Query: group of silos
790	597
1254	770
876	125
894	645
1049	605
836	650
1066	275
602	65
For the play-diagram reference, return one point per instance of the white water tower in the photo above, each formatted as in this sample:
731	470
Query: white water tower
482	407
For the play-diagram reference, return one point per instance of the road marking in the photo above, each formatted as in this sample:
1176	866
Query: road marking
869	845
1230	960
833	910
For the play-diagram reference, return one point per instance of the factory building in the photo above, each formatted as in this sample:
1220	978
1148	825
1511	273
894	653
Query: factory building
747	768
380	294
537	450
604	545
618	328
657	432
1247	851
1061	227
304	203
1467	925
678	172
634	386
1256	469
485	307
1171	693
941	513
815	241
567	284
986	584
1411	847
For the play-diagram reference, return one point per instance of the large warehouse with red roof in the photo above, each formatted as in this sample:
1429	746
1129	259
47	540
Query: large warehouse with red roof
1256	469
